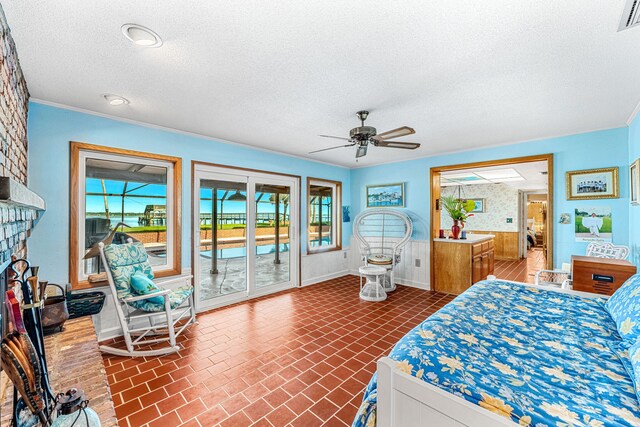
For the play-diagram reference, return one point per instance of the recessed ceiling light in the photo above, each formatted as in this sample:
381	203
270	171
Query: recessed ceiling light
115	99
142	36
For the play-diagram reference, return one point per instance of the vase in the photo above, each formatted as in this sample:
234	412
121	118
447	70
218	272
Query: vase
455	229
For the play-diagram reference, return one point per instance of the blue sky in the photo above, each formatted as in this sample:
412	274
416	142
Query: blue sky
138	204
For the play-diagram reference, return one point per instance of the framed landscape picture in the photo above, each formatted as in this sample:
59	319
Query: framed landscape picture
480	206
385	195
634	181
593	184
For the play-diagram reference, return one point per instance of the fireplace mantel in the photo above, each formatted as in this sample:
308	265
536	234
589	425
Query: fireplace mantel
14	193
20	210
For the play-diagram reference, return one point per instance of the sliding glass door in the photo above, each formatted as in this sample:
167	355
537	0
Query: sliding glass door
244	239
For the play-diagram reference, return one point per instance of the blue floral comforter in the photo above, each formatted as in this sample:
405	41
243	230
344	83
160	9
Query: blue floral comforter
538	357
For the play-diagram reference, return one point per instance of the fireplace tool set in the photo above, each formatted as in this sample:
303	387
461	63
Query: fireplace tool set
24	360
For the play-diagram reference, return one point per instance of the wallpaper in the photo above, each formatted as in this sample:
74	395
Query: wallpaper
501	202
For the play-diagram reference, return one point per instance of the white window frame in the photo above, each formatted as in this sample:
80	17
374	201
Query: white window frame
336	215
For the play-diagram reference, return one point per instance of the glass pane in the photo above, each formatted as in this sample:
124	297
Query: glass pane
131	197
222	246
320	216
272	234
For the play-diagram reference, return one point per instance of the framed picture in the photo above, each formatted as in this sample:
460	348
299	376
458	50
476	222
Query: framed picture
385	195
593	224
593	184
481	206
565	218
634	180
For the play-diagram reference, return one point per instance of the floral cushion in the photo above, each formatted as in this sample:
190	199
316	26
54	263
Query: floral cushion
176	298
124	261
537	357
131	258
624	308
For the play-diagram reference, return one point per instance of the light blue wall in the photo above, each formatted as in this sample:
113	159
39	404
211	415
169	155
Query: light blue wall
589	150
634	211
49	131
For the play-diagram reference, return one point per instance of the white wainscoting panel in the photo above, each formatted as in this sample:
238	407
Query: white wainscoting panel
406	272
325	266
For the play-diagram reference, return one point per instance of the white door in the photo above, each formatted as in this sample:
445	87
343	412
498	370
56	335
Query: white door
246	230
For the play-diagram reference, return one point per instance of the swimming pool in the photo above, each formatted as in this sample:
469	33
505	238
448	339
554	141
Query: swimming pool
242	252
260	250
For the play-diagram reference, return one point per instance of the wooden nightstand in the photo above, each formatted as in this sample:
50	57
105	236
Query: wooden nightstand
599	275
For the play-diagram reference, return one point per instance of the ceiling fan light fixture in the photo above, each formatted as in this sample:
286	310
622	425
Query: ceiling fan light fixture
115	100
141	36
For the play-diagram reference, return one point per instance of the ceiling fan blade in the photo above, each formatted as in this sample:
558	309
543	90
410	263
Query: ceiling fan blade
335	137
332	148
362	151
395	133
397	144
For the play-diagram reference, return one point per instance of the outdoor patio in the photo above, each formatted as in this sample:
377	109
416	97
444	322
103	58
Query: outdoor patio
231	276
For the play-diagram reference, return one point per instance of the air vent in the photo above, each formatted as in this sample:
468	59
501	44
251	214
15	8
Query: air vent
630	15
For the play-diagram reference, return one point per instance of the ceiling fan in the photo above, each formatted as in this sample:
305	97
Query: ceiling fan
363	135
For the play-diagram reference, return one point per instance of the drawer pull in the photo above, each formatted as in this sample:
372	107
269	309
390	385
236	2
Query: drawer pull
602	278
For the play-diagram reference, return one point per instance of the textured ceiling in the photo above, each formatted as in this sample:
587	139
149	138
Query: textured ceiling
276	74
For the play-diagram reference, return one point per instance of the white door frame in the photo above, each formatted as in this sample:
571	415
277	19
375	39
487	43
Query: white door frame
251	178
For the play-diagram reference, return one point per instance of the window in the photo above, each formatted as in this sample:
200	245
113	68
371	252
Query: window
324	212
134	195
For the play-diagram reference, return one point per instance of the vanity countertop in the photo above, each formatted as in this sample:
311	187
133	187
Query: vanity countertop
471	238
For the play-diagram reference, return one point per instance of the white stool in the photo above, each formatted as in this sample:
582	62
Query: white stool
372	289
386	262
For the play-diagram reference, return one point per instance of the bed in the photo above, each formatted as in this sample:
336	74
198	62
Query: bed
505	354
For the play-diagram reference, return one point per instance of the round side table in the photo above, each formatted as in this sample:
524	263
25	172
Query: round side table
372	289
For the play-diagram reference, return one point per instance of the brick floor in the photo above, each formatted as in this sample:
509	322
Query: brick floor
523	270
300	357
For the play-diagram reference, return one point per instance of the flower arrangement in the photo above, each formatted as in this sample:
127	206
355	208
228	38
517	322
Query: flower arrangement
458	209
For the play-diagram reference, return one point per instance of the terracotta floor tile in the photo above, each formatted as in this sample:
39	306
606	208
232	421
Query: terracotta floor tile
315	392
235	403
299	403
277	397
257	409
212	416
307	419
301	356
281	416
237	420
170	419
143	417
191	410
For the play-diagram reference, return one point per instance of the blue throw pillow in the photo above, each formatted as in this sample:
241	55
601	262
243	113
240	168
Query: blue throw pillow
624	308
142	285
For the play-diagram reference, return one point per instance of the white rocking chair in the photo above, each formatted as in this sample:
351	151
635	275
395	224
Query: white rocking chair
121	262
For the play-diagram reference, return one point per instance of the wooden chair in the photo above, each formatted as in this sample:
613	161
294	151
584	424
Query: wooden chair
144	322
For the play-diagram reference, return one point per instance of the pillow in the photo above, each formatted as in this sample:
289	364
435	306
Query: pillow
624	308
142	285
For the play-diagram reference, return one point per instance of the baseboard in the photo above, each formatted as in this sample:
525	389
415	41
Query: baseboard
325	277
109	333
414	284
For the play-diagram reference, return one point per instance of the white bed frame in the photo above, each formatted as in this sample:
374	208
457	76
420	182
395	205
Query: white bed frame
405	401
